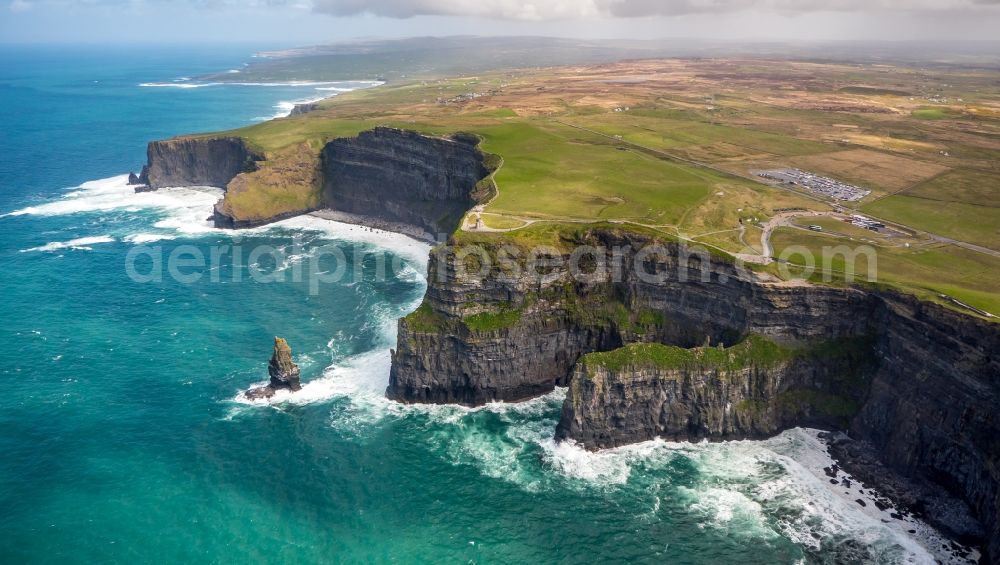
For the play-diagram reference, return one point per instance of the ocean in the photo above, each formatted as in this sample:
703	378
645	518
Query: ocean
124	438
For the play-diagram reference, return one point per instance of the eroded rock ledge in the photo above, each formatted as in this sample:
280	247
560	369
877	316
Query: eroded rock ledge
197	162
384	177
751	390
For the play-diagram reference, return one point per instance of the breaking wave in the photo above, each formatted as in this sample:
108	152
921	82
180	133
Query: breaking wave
342	86
82	243
184	204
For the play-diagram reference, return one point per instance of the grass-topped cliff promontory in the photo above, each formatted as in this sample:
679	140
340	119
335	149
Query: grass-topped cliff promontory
672	145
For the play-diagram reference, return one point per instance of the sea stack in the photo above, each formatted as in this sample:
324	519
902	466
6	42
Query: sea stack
283	372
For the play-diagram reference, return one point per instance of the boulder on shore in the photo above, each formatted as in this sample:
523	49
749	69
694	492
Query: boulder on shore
133	178
283	372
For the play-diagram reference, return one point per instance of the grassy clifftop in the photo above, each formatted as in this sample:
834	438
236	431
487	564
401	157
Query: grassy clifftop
670	146
755	350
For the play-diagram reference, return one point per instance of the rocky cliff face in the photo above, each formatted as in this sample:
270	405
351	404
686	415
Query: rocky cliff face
390	176
932	408
197	162
537	327
752	390
917	381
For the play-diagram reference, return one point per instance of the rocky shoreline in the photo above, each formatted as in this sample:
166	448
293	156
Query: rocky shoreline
916	381
922	499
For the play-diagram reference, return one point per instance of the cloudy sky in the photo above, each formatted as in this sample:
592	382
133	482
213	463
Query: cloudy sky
297	22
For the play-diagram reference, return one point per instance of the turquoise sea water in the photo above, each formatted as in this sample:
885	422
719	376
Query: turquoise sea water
123	439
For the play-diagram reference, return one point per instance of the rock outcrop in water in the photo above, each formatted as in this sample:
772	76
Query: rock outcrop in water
283	372
197	162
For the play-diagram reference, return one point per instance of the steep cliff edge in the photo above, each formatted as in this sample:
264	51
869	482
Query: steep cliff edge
932	409
197	162
918	382
384	177
500	337
387	176
751	390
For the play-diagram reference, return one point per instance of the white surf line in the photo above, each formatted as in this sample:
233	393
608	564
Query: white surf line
82	244
286	107
327	83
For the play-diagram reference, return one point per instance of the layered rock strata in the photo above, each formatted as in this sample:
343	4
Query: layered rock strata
384	177
917	382
387	175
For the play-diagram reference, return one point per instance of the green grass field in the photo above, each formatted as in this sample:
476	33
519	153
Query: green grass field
965	222
957	272
936	113
553	170
970	187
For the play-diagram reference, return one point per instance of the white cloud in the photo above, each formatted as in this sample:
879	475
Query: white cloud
18	6
584	9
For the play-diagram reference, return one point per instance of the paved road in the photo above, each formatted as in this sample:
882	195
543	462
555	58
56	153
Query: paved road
782	219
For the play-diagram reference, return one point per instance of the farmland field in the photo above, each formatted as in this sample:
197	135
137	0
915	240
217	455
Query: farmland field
672	145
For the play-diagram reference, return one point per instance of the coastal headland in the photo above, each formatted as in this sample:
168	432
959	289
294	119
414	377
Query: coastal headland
688	321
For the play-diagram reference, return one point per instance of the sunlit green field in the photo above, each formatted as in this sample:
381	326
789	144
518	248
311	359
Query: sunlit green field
926	271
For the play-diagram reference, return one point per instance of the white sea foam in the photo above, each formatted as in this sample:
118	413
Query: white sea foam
115	193
414	252
758	490
836	507
178	84
148	237
187	212
82	243
292	83
571	460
